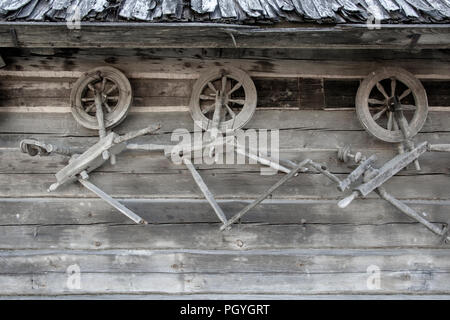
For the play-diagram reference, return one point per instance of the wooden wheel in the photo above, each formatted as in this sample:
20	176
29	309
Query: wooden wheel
374	103
116	96
228	88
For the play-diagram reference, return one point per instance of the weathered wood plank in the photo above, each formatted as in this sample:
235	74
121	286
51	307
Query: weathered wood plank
208	237
302	93
365	296
43	211
12	160
65	124
185	68
252	261
239	53
241	185
413	282
146	92
311	93
148	35
245	53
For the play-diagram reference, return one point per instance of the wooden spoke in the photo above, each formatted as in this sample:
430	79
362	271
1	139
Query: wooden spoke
211	86
113	98
407	107
230	111
107	107
208	108
376	101
390	119
393	86
87	99
395	125
91	87
404	94
103	84
89	108
377	115
381	89
236	87
205	97
224	83
238	101
114	87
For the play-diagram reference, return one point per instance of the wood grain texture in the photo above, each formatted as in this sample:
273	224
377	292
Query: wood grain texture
203	236
151	67
241	11
148	35
73	211
296	244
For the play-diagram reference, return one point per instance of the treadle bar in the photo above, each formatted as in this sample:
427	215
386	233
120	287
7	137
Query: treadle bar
268	192
202	185
113	202
410	212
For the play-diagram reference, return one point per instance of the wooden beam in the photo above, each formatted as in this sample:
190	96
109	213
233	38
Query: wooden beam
197	35
76	211
55	68
245	237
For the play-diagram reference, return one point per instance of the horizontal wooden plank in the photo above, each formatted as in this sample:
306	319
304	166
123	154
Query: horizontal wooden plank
208	237
157	296
188	68
65	124
320	145
236	185
401	271
252	261
44	211
151	35
393	282
242	53
146	92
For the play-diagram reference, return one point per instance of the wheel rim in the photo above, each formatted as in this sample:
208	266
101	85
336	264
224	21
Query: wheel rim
237	92
115	90
374	99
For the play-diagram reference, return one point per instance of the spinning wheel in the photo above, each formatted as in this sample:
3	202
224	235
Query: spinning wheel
113	90
376	100
223	97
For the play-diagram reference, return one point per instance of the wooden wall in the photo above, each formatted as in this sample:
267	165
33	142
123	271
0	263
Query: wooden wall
297	244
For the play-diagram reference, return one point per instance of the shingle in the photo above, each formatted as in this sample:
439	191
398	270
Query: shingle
232	11
209	5
11	5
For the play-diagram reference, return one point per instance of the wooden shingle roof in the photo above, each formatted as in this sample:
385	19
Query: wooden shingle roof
229	11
